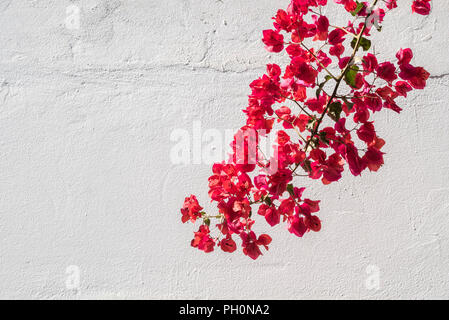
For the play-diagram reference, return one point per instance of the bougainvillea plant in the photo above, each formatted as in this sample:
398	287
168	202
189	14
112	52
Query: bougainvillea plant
327	127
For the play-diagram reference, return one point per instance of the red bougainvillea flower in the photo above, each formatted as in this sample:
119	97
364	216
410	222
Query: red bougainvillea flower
387	71
203	240
416	76
274	42
350	5
297	226
251	243
391	4
227	244
404	56
191	209
313	223
421	6
319	108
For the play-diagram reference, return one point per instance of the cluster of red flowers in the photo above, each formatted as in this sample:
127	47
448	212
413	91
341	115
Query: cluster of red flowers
322	130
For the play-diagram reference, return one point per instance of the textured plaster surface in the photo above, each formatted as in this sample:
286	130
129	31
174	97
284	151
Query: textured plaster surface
86	179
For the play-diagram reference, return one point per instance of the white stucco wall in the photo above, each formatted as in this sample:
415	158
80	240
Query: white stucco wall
86	183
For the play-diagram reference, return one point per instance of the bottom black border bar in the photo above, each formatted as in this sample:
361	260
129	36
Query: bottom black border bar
222	309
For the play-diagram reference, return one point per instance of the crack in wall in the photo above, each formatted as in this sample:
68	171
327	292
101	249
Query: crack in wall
439	76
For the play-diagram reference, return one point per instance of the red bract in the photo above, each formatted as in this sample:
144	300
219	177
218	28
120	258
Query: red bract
391	4
404	56
416	76
350	5
191	209
227	244
322	26
251	243
366	132
387	71
274	42
351	155
336	37
202	239
297	226
421	6
313	223
321	120
271	214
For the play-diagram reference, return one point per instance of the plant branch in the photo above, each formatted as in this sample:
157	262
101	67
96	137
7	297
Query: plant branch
337	85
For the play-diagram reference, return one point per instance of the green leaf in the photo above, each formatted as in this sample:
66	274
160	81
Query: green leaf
357	9
290	189
350	75
348	103
322	136
364	43
206	222
335	110
268	200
